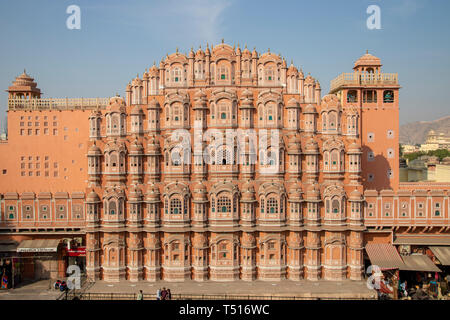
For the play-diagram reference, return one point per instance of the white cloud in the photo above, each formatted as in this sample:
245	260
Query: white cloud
204	18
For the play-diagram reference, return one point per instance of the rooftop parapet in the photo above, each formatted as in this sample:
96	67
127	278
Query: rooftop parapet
18	104
363	79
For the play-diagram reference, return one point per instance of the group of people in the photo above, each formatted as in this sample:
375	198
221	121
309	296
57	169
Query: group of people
163	294
424	287
60	285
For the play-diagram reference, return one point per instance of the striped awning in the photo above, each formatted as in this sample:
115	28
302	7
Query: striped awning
384	255
443	254
41	245
419	262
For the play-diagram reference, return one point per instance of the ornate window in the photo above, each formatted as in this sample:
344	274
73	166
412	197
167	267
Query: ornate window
272	205
224	204
175	206
175	75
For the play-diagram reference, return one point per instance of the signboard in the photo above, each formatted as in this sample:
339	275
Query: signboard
76	252
37	249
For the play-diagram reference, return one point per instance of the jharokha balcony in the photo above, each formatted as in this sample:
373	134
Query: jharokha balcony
19	103
363	79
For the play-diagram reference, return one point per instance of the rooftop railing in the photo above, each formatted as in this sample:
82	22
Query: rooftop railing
57	104
356	78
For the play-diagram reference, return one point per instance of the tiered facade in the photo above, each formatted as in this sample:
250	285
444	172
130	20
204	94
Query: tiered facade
178	182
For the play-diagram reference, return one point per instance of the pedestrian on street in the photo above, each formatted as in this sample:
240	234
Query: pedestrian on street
169	295
164	294
140	295
158	294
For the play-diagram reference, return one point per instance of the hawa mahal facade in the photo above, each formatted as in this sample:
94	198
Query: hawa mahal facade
116	174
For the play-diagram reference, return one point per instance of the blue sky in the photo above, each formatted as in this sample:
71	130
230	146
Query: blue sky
119	39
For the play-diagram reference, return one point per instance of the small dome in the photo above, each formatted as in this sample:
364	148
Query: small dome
292	103
246	53
254	53
200	95
92	197
153	145
135	194
152	193
355	195
154	104
368	60
191	54
292	70
153	72
309	79
116	104
136	109
313	192
294	144
199	54
247	191
136	82
353	147
310	109
136	147
294	191
94	150
311	146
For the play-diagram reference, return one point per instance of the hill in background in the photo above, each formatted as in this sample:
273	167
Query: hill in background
416	132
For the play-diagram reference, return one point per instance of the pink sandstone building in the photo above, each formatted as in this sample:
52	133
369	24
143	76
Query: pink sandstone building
110	179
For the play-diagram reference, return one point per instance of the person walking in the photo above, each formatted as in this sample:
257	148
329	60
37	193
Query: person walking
169	294
164	294
140	295
158	294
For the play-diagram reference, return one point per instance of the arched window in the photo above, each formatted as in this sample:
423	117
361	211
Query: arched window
335	206
176	75
175	157
269	74
112	207
332	123
175	206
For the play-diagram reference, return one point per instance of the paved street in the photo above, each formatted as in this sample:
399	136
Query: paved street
33	291
301	289
304	288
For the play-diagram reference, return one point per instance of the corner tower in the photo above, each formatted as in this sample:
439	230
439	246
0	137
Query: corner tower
374	96
24	87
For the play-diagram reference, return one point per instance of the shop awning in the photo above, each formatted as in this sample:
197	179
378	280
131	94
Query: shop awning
443	254
422	240
8	246
41	245
384	255
419	262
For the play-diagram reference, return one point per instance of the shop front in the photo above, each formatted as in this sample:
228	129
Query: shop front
41	259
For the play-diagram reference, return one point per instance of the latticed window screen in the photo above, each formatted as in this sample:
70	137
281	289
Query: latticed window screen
175	206
272	205
224	204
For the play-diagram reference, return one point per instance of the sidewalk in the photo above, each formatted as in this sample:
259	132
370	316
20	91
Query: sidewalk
300	289
38	290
